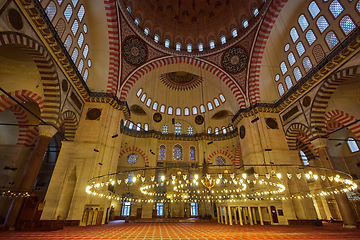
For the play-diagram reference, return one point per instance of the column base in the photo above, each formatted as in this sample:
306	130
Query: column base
349	226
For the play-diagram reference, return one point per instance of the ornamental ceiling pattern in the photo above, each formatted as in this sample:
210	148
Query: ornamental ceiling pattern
180	81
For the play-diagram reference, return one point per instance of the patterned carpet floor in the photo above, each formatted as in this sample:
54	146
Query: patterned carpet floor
189	231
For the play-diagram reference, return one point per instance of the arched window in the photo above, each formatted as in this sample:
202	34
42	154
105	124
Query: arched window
178	46
255	12
165	129
192	153
148	102
137	21
143	97
281	89
202	108
291	59
352	145
190	130
358	6
212	44
331	40
336	8
194	111
146	31
125	122
162	108
310	37
220	160
162	152
156	38
294	34
287	47
178	111
178	128
75	27
138	127
231	128
131	125
81	13
86	51
234	32
303	157
307	64
189	47
245	23
300	48
322	24
209	130
170	110
216	102
81	65
222	98
68	12
128	9
167	43
223	39
210	106
51	10
68	42
200	47
177	152
347	25
128	183
146	127
283	68
313	9
297	73
81	40
303	22
86	75
75	55
60	27
186	111
216	131
224	130
288	82
139	92
155	106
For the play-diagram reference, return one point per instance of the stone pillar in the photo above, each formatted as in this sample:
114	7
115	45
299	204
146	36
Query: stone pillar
225	215
347	214
218	214
240	216
235	214
230	217
250	217
222	215
270	215
27	182
245	214
254	215
260	216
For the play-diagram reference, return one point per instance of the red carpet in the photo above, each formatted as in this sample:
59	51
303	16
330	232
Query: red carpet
190	231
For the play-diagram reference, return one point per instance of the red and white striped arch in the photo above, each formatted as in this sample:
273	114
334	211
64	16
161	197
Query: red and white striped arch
222	152
135	149
22	96
258	50
238	155
342	119
227	79
114	45
23	122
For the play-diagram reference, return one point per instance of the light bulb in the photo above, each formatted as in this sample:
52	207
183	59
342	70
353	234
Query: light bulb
134	179
196	176
162	178
244	175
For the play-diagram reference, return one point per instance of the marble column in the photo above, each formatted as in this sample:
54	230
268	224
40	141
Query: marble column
230	217
270	216
27	182
240	216
250	217
260	216
254	215
235	214
347	214
222	215
218	214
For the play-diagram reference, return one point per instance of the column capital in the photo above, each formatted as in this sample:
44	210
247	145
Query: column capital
47	130
319	143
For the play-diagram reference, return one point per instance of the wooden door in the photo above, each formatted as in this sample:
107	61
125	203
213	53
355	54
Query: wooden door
138	213
274	214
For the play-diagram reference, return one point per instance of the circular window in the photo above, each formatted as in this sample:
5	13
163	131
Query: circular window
287	47
89	63
85	28
277	77
15	19
220	160
132	158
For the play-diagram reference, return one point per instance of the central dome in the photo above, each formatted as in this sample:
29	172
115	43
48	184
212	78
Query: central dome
193	21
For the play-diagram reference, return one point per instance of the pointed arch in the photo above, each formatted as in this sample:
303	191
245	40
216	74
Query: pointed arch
136	149
141	71
223	152
297	137
69	120
47	70
341	119
22	120
238	156
323	95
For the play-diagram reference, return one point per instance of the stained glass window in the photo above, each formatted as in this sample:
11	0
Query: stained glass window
165	129
216	102
162	108
177	152
310	37
291	59
322	24
336	8
202	108
352	145
307	64
288	82
281	89
314	9
200	47
297	73
303	22
212	44
186	111
347	24
209	130
223	39
220	160
132	158
162	152
294	34
194	110
304	158
51	10
222	98
130	177
283	68
190	130
300	48
155	106
178	129
192	153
